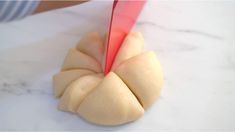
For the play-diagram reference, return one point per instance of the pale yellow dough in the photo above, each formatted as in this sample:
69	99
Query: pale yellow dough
143	75
132	46
77	91
92	44
63	79
77	60
119	97
111	103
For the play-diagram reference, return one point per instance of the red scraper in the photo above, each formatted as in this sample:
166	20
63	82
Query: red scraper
123	17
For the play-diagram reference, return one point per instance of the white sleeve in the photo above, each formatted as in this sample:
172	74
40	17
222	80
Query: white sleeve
17	9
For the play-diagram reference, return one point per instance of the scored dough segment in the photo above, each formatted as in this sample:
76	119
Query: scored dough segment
119	97
111	103
147	82
132	46
77	91
63	79
83	61
92	45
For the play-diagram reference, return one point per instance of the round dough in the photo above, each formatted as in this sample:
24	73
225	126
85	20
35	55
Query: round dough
83	61
143	75
121	96
77	91
63	79
132	46
110	103
92	45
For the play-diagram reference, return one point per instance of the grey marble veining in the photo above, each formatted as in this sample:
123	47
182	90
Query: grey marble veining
187	31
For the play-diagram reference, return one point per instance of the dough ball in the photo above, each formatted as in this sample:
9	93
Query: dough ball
143	75
119	97
92	45
110	103
132	46
78	60
77	91
62	80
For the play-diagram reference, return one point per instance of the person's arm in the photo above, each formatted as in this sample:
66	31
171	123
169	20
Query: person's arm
51	5
17	9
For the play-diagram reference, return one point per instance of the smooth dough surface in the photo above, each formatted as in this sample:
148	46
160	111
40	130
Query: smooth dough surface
63	79
143	75
78	60
77	91
119	97
132	46
92	45
110	103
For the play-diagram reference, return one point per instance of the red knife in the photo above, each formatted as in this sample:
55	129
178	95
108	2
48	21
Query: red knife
123	17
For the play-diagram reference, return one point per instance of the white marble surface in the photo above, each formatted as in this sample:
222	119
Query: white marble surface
193	40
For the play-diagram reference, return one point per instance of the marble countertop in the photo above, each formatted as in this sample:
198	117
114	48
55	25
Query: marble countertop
193	40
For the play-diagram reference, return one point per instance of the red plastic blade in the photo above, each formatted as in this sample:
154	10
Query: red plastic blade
124	15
